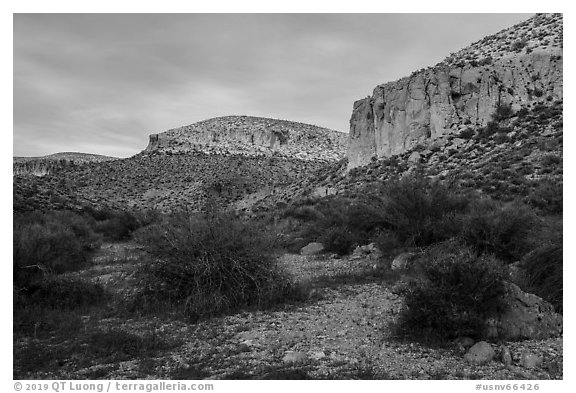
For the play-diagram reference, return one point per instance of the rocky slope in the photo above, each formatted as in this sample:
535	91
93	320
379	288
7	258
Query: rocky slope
520	157
520	66
222	160
253	136
41	166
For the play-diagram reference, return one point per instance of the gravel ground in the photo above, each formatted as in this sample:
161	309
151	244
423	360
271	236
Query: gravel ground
342	332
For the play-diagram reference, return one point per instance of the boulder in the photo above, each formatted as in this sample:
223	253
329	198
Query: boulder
294	357
403	261
525	316
479	353
530	360
312	249
415	158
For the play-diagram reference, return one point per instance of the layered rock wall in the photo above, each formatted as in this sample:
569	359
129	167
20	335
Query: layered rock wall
434	102
520	66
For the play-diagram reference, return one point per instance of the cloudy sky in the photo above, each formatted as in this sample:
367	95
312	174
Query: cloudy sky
101	83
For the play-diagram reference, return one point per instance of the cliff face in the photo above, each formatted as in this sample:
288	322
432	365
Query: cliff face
520	66
253	136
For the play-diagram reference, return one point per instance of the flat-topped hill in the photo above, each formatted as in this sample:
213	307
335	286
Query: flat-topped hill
253	136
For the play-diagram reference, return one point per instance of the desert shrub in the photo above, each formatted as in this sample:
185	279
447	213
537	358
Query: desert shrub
547	197
116	225
208	264
49	242
341	239
522	113
455	293
341	223
490	129
467	133
421	212
545	273
502	230
501	138
551	160
503	111
518	45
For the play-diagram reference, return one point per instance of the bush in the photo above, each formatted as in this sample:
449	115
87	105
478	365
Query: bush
503	111
114	225
455	294
547	197
490	129
341	223
49	242
341	239
209	264
545	273
467	133
421	212
502	230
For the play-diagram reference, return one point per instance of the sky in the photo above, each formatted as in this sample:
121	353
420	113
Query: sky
101	83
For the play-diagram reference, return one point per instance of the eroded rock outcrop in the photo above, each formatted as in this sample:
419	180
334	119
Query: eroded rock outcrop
253	136
519	66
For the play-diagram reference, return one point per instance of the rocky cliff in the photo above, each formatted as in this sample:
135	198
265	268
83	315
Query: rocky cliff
253	136
517	67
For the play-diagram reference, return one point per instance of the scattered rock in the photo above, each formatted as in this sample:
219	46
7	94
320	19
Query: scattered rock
481	352
369	251
525	316
312	249
530	360
294	357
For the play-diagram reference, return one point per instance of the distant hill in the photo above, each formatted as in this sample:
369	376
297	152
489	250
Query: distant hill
40	166
222	160
253	136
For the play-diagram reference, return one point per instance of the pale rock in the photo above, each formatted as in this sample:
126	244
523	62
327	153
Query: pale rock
402	261
318	355
525	316
479	353
530	360
415	158
312	249
295	357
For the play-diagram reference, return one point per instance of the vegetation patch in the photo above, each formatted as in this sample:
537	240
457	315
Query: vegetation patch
455	293
209	264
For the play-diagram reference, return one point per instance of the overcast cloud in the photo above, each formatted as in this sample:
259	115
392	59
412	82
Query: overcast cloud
101	83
